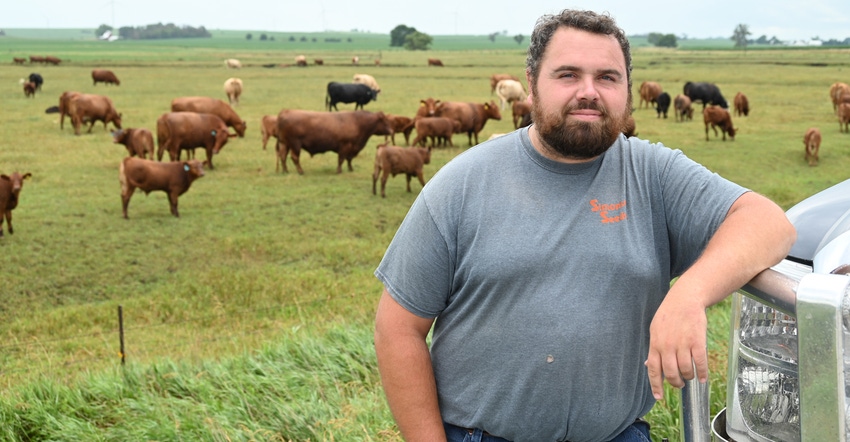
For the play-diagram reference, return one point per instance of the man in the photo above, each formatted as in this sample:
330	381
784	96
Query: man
543	259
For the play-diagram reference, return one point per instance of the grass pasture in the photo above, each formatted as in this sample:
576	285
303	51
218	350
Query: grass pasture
249	317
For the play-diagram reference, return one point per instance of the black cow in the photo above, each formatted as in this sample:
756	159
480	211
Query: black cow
707	93
663	103
349	93
36	78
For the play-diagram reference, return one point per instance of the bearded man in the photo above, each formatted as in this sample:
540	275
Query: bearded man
543	261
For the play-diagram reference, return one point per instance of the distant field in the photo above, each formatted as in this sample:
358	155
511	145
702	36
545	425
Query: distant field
260	258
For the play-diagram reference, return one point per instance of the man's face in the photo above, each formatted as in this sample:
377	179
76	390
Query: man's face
580	98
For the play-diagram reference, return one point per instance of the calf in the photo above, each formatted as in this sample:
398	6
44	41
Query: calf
844	117
435	128
29	89
520	109
742	105
65	106
393	160
268	127
662	103
472	116
716	116
104	76
173	178
10	190
812	141
139	142
400	124
682	105
233	89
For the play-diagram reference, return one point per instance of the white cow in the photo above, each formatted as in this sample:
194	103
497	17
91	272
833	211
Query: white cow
233	89
509	91
368	80
233	63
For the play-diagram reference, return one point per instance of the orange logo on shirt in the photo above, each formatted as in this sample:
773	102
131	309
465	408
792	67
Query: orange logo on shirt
605	211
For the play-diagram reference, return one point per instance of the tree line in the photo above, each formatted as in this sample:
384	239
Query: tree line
156	31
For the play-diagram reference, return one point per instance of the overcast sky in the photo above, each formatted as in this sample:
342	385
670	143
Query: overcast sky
785	19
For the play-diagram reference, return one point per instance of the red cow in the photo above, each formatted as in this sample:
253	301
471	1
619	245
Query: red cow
844	117
496	78
29	89
472	116
207	105
139	142
742	105
92	108
188	131
64	106
835	92
435	62
649	92
10	190
52	60
400	124
682	105
268	127
345	133
393	160
437	129
104	76
19	60
812	141
172	178
716	116
520	109
427	108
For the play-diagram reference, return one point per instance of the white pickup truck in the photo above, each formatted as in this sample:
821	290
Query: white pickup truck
789	350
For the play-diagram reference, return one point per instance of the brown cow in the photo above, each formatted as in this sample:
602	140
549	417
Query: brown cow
472	116
520	109
36	59
188	131
300	60
393	160
172	178
139	142
29	89
268	128
835	92
437	129
233	89
64	103
104	76
496	78
682	105
435	62
213	106
742	105
649	92
19	60
629	128
812	141
10	190
400	124
319	62
52	60
427	108
345	133
844	117
92	108
716	116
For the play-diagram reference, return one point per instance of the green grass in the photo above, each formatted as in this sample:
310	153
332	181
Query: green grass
274	270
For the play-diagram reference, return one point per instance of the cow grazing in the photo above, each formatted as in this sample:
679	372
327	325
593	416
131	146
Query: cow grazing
64	106
629	128
510	91
345	133
29	89
716	116
368	80
357	93
662	103
812	141
37	79
18	60
355	60
233	89
91	108
176	131
139	142
104	76
835	92
268	128
52	60
393	160
496	78
400	124
437	129
706	93
435	62
36	59
208	105
472	116
10	191
172	178
232	63
300	60
844	117
649	92
742	105
319	62
519	110
682	105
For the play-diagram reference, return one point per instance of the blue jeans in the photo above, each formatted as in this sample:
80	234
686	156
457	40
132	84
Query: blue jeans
637	432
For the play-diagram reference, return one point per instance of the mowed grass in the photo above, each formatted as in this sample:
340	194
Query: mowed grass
263	288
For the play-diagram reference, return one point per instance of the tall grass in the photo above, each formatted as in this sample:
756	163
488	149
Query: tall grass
257	254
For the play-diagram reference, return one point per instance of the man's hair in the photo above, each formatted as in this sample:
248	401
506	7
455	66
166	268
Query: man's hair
589	21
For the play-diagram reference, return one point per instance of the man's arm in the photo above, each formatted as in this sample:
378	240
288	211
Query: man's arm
406	371
755	235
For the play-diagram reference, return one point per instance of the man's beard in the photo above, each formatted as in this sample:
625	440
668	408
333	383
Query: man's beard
577	139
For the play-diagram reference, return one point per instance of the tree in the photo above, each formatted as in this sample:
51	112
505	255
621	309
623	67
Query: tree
398	34
417	41
667	41
740	36
101	29
653	38
248	36
519	38
493	36
264	37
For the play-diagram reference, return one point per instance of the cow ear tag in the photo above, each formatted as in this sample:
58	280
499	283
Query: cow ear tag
213	133
186	167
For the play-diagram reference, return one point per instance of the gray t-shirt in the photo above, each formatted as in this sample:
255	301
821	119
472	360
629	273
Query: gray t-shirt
544	278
